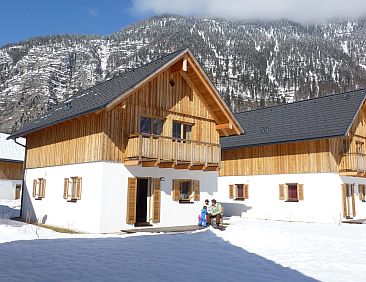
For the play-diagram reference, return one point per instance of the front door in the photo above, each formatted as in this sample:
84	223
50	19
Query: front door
142	200
349	208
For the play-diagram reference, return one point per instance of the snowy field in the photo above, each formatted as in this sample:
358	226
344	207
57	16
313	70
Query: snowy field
248	250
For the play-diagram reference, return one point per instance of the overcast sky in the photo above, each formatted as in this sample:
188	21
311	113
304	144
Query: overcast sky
298	10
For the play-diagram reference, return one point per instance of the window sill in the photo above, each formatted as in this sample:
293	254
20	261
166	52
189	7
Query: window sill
185	202
72	201
38	199
292	200
239	199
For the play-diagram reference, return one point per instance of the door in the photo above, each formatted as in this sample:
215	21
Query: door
142	200
349	208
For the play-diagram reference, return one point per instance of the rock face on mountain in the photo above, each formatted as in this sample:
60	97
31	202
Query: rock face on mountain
252	64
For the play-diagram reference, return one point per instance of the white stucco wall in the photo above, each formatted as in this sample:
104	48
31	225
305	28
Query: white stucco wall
322	197
7	188
104	196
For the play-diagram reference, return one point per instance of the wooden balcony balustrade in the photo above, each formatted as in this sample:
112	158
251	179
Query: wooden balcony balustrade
353	162
158	150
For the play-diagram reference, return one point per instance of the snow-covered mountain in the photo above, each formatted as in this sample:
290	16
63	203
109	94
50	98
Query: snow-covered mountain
252	64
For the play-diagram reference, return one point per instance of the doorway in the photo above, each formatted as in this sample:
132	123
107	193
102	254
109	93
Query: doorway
142	200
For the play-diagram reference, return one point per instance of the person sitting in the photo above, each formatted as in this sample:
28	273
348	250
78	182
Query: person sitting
215	212
202	217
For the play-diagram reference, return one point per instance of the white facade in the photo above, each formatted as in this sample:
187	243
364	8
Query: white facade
322	197
102	207
8	188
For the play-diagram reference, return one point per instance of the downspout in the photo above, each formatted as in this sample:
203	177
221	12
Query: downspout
23	176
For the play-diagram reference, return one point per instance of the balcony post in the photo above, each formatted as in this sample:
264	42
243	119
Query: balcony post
140	147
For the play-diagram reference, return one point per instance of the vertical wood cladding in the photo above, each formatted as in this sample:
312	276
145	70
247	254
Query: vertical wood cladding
11	170
104	135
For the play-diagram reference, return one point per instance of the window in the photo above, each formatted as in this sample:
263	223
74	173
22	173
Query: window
182	131
345	146
39	188
186	190
362	192
359	147
239	191
291	192
72	189
150	125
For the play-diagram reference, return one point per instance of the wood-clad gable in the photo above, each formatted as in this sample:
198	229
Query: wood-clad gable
104	135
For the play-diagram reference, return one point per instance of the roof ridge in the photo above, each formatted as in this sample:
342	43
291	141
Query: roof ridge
301	101
75	95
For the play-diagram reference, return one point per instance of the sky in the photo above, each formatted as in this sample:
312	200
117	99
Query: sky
23	19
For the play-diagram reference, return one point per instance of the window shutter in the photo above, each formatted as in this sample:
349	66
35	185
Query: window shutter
353	200
131	200
344	203
156	200
361	189
78	188
231	191
66	188
235	192
43	188
285	189
246	191
300	192
282	191
196	189
34	192
176	190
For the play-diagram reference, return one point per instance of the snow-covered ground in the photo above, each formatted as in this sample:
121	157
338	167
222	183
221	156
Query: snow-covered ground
248	250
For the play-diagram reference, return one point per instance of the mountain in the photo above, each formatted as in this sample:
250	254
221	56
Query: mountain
252	64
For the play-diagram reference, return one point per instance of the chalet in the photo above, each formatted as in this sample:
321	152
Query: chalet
139	149
11	167
303	161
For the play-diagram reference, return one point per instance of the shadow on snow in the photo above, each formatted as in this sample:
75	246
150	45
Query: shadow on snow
183	257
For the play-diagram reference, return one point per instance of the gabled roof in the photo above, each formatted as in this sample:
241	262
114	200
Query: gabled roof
323	117
9	150
110	92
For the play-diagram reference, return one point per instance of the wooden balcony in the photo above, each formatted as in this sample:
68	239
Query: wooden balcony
168	152
353	164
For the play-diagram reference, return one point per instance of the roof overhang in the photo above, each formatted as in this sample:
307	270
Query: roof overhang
192	72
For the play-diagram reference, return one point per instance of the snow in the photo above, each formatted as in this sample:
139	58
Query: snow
250	250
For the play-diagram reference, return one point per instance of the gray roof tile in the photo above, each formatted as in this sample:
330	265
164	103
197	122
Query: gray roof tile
328	116
96	97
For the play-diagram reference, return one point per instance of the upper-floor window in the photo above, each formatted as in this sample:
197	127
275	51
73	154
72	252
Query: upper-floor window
182	130
359	147
149	125
345	146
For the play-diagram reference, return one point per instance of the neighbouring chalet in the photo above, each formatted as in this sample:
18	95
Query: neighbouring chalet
303	161
139	149
11	167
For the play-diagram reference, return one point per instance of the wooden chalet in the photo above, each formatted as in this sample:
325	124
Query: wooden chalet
164	116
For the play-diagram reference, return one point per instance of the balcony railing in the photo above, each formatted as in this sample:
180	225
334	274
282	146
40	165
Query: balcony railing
353	162
145	147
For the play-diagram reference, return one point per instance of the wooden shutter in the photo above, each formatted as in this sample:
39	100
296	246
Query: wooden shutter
42	193
131	200
361	189
344	199
66	187
231	191
156	200
196	189
300	192
34	192
176	189
353	200
282	191
246	191
235	192
79	187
